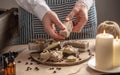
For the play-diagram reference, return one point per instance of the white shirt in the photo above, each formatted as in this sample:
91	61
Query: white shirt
39	7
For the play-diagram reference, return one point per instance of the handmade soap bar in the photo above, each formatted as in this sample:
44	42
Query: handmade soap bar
66	32
81	45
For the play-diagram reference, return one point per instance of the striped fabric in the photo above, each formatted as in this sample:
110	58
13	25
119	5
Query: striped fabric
31	27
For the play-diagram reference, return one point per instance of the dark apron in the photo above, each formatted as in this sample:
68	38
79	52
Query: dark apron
31	27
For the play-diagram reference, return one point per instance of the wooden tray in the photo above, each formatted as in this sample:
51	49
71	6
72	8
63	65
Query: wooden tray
85	56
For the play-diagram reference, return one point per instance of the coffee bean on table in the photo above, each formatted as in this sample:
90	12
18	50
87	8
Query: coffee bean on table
38	58
51	68
31	63
92	54
29	58
19	61
88	50
36	68
58	68
26	63
80	59
32	60
54	71
28	68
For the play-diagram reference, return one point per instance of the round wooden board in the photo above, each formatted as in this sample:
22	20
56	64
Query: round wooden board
84	57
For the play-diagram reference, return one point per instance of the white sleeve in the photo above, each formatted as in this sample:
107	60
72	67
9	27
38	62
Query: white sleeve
87	2
36	7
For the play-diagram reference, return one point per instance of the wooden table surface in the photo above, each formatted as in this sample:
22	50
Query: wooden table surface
81	69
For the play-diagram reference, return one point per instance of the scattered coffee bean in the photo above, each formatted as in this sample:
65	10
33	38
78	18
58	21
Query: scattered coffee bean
54	71
31	63
77	56
32	60
38	58
26	63
19	61
29	58
36	68
80	59
88	50
92	54
62	60
58	68
52	68
28	68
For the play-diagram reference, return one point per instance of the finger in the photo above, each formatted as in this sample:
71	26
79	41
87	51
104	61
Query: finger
70	16
74	11
82	18
54	34
79	26
53	27
49	29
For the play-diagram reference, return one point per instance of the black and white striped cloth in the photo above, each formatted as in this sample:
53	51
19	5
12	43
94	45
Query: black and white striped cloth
31	27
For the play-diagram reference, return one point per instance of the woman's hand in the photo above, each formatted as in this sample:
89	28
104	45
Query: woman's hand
80	11
50	20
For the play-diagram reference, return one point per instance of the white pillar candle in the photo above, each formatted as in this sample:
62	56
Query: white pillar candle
104	51
116	53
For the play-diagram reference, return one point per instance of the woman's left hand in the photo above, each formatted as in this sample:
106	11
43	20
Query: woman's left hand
80	11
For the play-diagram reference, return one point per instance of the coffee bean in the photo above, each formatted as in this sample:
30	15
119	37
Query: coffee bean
28	68
36	68
58	68
31	63
51	68
19	61
32	60
80	59
38	58
29	58
54	71
88	50
26	63
92	54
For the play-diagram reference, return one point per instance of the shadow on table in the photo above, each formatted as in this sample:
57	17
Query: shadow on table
93	72
111	74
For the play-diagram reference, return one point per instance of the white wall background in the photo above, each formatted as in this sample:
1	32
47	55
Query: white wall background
106	9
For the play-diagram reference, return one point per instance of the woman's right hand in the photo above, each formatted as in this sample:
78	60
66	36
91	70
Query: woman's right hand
51	19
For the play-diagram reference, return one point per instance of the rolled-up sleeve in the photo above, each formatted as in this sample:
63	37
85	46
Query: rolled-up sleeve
87	2
37	7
